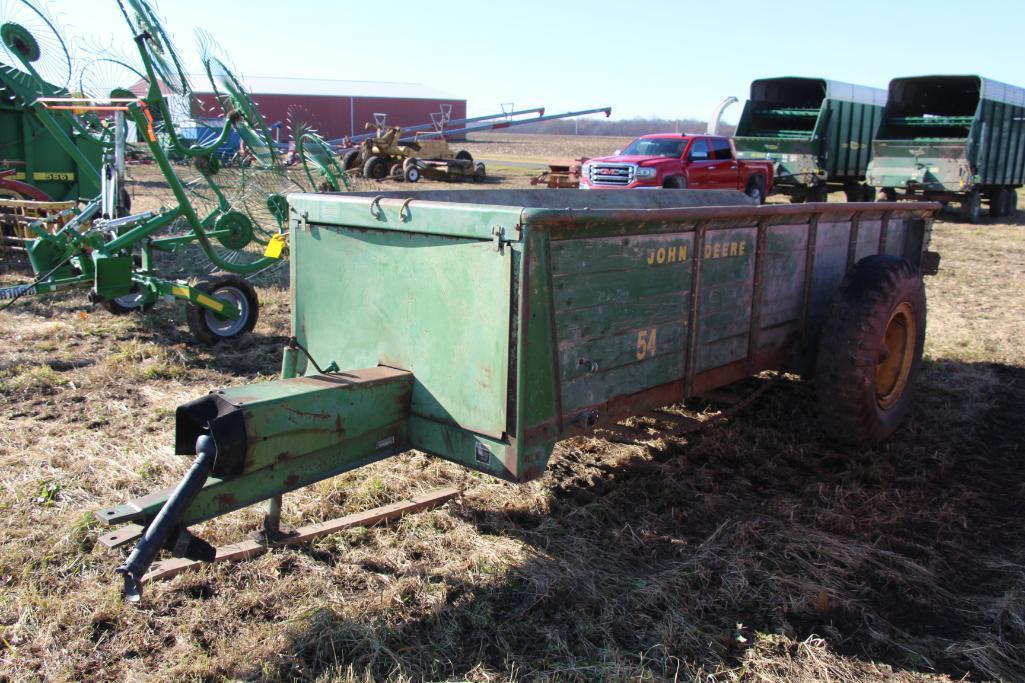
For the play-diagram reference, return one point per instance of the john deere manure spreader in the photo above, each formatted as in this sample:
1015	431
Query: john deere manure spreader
482	327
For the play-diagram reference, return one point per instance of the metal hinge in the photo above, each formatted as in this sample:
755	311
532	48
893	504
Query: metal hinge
498	235
301	221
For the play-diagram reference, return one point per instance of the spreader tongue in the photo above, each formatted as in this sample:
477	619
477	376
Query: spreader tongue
157	533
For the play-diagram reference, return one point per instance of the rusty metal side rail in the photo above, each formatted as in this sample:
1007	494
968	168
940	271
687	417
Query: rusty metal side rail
567	224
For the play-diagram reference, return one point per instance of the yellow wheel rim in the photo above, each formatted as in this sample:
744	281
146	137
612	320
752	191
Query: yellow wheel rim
896	353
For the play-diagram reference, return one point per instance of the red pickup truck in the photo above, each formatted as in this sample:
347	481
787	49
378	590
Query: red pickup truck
677	161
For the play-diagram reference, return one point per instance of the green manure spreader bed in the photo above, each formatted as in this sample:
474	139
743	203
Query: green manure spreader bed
484	326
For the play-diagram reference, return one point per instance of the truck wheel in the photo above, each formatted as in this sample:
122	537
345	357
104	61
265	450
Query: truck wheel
376	168
756	189
798	197
1012	202
971	206
852	193
209	327
870	350
675	183
868	193
463	155
479	173
887	194
998	203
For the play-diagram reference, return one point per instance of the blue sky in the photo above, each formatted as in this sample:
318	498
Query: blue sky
655	57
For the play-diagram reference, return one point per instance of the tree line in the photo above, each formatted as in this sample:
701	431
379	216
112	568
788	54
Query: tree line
632	127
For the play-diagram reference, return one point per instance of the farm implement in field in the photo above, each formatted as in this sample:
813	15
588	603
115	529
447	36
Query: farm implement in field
391	154
499	322
232	217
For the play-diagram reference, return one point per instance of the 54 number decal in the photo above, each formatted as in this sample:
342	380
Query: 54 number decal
647	343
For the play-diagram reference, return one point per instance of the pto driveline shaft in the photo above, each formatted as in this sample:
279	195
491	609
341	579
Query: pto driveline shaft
156	534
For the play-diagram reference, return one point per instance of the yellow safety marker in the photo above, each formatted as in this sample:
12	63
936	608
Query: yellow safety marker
275	246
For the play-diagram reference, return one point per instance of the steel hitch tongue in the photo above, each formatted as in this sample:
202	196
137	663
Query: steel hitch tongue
159	531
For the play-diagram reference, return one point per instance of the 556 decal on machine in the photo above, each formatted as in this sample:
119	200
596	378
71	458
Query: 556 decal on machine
16	291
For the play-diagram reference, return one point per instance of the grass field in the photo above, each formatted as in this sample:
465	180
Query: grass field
755	551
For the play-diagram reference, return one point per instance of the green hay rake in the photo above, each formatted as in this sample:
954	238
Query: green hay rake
232	216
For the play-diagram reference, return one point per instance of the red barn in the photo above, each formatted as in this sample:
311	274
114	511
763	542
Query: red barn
337	108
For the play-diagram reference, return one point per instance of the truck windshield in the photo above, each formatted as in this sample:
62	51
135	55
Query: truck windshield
656	147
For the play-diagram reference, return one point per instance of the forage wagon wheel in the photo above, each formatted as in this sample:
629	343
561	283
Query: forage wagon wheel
395	172
211	328
463	155
376	168
480	173
756	189
998	203
818	194
887	194
870	350
971	206
1012	202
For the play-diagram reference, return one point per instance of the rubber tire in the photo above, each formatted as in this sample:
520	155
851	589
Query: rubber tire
845	372
464	156
971	206
798	197
195	315
887	194
998	202
376	168
411	174
756	189
395	172
853	193
480	173
675	182
868	193
349	159
1012	203
115	307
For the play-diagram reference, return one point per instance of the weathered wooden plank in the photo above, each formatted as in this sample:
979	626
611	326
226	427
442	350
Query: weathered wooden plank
603	254
599	387
600	321
581	358
619	286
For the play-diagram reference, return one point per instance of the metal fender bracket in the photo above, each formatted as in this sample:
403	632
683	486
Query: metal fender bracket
930	263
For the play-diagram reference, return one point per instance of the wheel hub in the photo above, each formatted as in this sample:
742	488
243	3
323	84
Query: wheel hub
896	353
225	327
239	227
20	41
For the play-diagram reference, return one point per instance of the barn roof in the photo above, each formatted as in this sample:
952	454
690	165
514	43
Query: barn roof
272	85
321	87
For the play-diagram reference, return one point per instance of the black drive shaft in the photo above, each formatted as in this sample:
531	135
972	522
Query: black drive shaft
156	534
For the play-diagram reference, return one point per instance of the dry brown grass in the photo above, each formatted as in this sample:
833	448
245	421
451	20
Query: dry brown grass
753	552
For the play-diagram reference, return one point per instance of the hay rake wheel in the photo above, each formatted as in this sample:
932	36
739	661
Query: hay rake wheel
160	49
29	36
